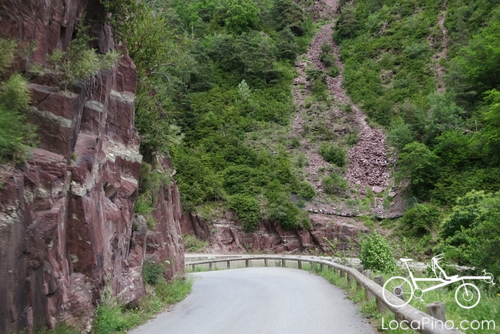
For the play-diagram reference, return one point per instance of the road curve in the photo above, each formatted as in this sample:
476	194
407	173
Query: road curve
260	300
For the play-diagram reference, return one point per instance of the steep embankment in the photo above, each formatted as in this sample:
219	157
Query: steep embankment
329	120
67	225
368	163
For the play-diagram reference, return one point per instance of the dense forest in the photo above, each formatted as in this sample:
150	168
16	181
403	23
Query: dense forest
214	95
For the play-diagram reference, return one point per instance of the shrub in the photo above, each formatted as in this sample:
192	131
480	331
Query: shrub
420	219
306	190
333	154
15	132
284	212
247	210
333	71
327	57
400	134
295	142
334	184
79	63
193	244
152	272
376	253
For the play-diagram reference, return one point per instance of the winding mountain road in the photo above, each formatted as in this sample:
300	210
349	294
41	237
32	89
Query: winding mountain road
260	300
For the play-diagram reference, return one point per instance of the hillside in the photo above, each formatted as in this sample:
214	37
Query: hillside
293	126
314	165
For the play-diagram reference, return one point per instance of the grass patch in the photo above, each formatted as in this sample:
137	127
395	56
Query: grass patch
192	244
114	317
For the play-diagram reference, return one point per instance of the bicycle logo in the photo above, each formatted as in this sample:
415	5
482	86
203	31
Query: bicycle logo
467	295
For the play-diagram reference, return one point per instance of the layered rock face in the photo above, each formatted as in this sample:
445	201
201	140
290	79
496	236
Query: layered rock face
66	216
227	236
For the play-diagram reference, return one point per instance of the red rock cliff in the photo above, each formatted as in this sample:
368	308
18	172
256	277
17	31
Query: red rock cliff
66	215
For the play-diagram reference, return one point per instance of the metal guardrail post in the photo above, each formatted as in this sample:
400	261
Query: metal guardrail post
228	264
247	263
265	262
283	262
210	266
299	264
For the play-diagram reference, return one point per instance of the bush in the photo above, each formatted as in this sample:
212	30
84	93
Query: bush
305	190
247	211
471	233
318	79
334	184
421	219
376	253
193	244
333	71
114	317
152	272
400	134
79	63
284	212
333	154
327	57
15	132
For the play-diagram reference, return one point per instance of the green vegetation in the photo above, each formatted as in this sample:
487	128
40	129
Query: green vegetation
447	142
113	317
485	310
15	132
211	74
192	244
376	253
333	154
152	272
79	63
334	184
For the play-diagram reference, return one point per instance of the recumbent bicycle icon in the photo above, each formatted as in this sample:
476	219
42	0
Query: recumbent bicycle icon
467	295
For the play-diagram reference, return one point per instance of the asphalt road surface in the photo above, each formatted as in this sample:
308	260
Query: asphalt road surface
260	300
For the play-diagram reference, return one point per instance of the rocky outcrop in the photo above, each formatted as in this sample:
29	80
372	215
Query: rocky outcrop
67	226
227	236
165	244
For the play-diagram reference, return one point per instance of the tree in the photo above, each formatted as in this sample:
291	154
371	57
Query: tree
15	132
471	234
468	211
400	133
420	165
288	14
155	48
445	115
257	52
241	15
347	24
491	131
478	62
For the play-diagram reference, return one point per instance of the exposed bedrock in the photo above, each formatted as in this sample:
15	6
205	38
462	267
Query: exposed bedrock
226	236
66	216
